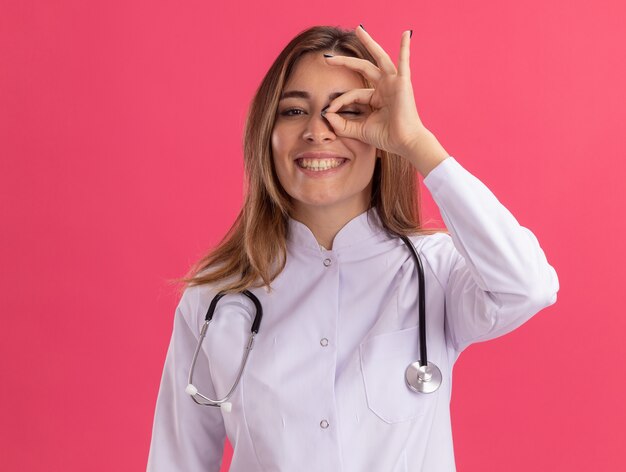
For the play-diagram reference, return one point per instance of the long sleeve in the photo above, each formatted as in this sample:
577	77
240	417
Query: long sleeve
185	436
498	274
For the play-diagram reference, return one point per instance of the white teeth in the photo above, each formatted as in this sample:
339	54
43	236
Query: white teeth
320	164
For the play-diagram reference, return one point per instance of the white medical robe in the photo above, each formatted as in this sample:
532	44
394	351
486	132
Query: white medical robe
324	387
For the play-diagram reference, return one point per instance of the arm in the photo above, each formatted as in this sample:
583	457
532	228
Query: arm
498	274
185	436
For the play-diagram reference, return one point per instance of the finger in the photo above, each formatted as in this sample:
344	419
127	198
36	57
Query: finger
382	58
350	128
363	96
404	65
345	128
365	67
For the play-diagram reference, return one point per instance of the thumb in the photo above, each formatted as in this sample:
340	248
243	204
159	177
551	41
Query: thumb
343	127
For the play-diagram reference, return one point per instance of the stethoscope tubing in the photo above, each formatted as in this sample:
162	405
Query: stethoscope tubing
191	390
422	300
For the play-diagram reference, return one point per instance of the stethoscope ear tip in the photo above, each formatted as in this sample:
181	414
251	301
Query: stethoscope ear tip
190	389
227	407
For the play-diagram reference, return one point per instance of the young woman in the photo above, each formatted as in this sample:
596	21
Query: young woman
332	146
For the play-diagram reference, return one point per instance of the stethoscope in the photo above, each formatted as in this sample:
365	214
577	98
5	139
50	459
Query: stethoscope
421	376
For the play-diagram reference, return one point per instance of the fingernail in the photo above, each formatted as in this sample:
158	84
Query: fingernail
411	34
328	55
362	27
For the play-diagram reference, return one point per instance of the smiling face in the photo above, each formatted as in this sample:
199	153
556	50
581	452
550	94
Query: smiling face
342	186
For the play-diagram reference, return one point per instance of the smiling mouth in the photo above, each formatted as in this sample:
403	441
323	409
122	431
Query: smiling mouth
320	164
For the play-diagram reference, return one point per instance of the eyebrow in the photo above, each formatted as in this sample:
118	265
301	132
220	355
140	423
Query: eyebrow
306	95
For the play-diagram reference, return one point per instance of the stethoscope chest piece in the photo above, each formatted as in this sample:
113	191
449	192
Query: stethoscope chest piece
423	379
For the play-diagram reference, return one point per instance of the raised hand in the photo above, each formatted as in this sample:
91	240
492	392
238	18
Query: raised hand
394	124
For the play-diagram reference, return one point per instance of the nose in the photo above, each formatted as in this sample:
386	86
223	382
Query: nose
318	129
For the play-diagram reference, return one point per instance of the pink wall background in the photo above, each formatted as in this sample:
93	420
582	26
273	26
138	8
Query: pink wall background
121	163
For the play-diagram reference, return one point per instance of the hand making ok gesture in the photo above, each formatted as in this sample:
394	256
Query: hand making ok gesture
394	124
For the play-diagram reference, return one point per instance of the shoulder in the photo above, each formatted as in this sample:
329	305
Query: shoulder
435	244
191	303
438	253
196	300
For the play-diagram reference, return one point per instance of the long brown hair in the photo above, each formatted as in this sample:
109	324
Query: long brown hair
253	252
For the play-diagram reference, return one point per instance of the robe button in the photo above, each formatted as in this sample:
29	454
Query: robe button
324	342
327	262
324	424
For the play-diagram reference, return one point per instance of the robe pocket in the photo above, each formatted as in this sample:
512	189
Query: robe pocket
384	359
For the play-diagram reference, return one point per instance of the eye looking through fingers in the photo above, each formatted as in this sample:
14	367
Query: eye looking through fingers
347	110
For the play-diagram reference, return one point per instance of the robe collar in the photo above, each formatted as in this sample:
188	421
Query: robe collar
360	228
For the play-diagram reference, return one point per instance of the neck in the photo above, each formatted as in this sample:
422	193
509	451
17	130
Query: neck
325	222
